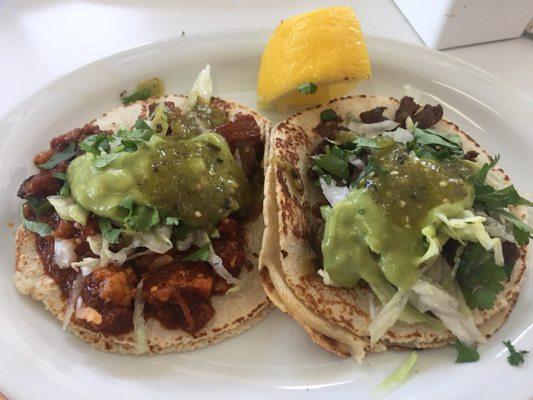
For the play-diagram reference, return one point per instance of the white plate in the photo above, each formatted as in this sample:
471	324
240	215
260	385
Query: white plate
275	358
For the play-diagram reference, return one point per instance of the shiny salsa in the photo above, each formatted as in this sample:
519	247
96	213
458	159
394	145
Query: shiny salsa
185	174
407	188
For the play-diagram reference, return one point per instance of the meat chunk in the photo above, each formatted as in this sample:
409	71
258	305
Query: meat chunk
115	284
471	155
329	129
190	281
39	185
429	116
373	116
60	143
406	109
511	253
243	134
243	129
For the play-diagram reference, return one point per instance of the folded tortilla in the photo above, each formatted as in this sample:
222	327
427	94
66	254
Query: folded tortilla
335	318
235	312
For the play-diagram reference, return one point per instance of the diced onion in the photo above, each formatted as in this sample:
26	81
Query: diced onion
64	252
333	193
75	292
202	88
138	320
370	130
400	135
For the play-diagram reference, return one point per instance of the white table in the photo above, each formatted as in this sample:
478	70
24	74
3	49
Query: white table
40	40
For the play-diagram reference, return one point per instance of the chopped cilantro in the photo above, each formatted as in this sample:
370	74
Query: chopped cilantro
41	228
428	143
141	94
202	254
95	144
172	221
109	233
39	206
307	88
465	353
104	159
328	115
139	218
479	277
522	232
515	357
333	164
494	200
142	218
68	153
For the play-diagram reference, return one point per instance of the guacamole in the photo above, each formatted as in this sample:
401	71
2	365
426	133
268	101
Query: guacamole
378	228
195	179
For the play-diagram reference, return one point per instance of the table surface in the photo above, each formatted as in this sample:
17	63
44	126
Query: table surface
41	40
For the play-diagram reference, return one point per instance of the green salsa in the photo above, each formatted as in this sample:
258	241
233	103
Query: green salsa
408	188
199	118
195	179
378	229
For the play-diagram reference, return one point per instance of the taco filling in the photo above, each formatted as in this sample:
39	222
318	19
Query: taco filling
409	214
145	221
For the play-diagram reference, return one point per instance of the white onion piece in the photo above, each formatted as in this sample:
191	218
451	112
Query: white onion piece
400	135
218	266
446	308
138	320
332	192
64	252
370	130
75	292
352	159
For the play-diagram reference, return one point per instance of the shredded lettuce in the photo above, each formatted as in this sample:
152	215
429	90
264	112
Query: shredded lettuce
138	320
397	378
388	316
468	227
157	240
447	308
202	88
68	209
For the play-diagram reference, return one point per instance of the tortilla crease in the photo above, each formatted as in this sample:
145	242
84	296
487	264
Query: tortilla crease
234	312
337	319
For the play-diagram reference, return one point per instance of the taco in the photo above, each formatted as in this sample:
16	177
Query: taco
389	227
141	231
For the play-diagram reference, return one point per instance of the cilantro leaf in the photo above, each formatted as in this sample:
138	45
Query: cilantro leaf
141	94
104	159
172	221
95	144
65	190
202	254
142	218
522	232
307	88
428	143
41	228
333	162
39	206
479	277
109	233
372	143
68	153
328	115
490	198
465	353
515	357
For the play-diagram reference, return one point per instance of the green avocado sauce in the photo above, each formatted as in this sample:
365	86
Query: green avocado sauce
195	179
377	229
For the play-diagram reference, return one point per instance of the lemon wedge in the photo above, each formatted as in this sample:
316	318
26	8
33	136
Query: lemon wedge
313	57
